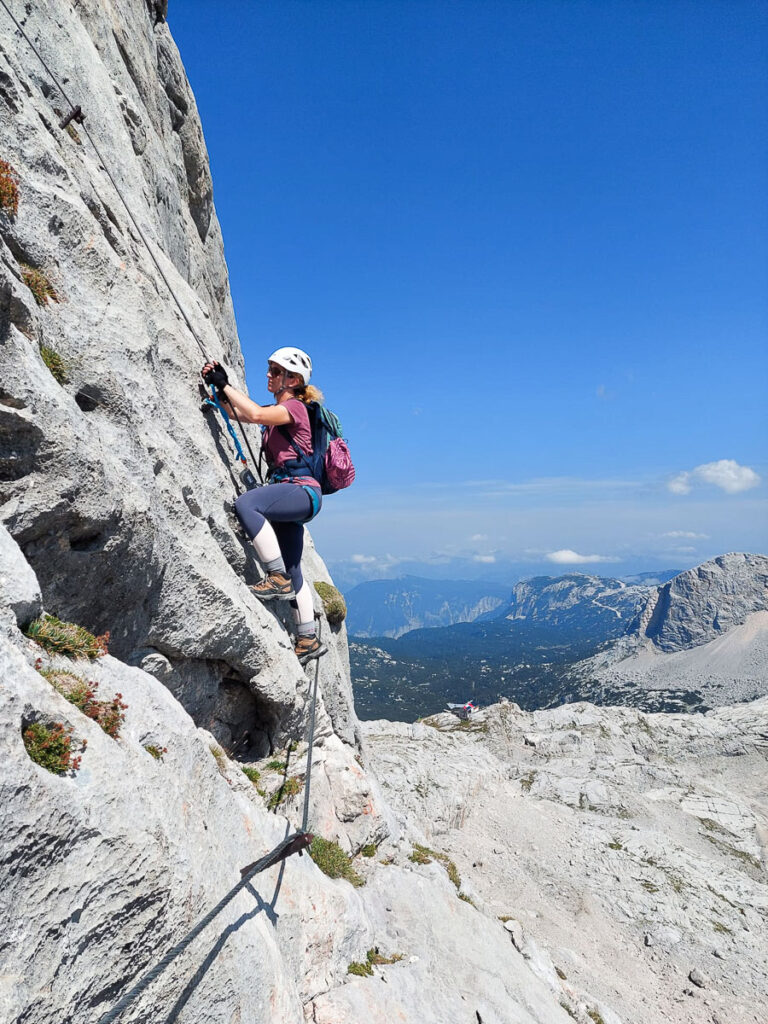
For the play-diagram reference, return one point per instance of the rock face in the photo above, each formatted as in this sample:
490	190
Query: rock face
627	850
700	641
117	487
108	866
703	603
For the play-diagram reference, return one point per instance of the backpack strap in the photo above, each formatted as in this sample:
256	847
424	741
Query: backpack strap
301	456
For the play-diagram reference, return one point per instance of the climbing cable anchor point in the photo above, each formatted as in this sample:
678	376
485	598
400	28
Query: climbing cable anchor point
75	114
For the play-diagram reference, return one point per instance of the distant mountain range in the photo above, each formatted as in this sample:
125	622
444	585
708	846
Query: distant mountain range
390	608
552	640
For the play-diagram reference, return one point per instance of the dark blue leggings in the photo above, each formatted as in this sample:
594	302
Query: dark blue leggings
285	506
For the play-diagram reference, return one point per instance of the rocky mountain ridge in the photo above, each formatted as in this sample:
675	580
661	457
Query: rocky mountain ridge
700	641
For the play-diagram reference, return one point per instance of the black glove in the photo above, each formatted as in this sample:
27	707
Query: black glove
216	377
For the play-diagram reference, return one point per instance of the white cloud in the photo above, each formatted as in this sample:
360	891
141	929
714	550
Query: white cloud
479	536
680	484
685	535
364	559
726	474
489	559
567	557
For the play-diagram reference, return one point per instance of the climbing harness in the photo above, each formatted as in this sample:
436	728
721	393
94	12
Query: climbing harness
76	114
296	842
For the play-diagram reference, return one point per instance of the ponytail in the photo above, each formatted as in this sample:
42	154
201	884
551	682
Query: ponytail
308	393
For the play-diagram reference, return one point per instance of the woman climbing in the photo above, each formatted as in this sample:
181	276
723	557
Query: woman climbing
273	515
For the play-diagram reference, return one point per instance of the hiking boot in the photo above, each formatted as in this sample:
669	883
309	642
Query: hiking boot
308	648
276	586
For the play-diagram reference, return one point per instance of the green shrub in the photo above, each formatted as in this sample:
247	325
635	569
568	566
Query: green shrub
51	747
156	752
291	787
334	605
59	637
9	189
277	766
423	855
332	861
253	774
38	284
369	850
55	364
110	714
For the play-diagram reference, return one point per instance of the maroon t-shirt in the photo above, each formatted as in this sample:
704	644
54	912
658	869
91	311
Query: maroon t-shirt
277	448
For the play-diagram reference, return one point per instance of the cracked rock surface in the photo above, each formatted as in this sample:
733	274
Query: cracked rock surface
628	850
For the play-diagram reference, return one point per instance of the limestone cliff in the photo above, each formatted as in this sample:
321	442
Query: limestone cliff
117	487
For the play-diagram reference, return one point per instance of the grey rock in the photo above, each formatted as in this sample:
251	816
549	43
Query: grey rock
19	589
115	485
698	979
702	603
516	933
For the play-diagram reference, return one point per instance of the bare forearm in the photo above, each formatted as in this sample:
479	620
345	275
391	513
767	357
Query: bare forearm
248	410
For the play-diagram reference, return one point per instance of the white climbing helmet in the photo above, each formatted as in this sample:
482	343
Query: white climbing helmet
294	360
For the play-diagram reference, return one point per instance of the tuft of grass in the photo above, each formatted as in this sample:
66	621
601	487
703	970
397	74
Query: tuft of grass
561	974
291	787
252	774
332	861
467	899
649	886
596	1016
423	855
73	133
51	747
568	1009
156	752
9	189
220	758
506	917
527	781
59	637
334	605
362	970
369	850
718	926
38	284
373	958
713	826
109	714
277	766
615	844
55	364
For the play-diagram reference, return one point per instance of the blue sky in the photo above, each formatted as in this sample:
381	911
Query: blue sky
526	245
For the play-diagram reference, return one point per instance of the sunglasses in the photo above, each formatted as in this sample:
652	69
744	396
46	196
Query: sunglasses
273	370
